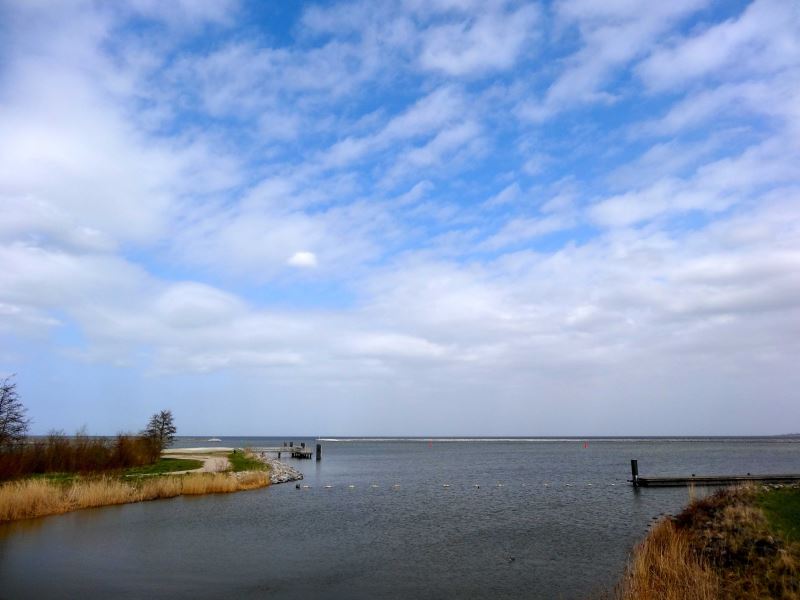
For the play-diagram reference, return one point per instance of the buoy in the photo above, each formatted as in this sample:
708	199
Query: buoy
476	486
351	486
445	485
327	487
305	487
499	485
396	485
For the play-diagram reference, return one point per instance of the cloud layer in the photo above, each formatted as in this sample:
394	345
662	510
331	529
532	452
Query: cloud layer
446	217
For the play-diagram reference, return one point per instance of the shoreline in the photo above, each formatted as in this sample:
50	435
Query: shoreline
32	498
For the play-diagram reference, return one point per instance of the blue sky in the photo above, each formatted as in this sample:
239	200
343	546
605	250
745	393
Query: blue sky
402	218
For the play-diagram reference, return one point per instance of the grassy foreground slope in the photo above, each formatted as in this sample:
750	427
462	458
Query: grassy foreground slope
738	543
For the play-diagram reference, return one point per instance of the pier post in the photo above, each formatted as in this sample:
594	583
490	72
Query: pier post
319	451
635	472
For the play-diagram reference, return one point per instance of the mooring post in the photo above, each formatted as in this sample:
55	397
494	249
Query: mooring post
635	472
319	451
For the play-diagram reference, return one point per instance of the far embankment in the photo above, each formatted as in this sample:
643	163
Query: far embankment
189	471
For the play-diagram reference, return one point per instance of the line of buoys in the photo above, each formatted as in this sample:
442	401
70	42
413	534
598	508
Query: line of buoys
444	485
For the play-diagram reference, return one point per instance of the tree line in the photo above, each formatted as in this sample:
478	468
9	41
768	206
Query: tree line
59	453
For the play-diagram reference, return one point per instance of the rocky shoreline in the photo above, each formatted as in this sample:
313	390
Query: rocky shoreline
280	472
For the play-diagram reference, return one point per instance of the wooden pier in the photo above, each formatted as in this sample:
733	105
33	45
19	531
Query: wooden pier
706	480
294	450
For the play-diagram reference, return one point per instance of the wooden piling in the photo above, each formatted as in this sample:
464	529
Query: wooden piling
319	451
635	472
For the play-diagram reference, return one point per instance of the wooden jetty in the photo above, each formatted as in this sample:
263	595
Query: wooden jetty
294	450
705	480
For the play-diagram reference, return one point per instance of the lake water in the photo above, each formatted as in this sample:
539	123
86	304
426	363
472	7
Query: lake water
551	519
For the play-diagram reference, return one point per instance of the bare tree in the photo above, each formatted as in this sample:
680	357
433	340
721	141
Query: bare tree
161	428
13	423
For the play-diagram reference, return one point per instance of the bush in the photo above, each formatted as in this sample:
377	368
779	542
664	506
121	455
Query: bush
58	453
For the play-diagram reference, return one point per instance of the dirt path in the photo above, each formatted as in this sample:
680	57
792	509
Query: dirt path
215	461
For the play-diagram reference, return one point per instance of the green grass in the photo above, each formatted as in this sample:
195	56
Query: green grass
166	465
782	508
241	462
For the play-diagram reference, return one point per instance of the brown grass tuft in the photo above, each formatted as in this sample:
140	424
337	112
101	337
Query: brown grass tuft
665	568
37	497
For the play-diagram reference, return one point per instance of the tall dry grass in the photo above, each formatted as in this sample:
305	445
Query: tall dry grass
664	567
36	497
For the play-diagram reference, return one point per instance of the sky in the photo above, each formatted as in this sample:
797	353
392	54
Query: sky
438	217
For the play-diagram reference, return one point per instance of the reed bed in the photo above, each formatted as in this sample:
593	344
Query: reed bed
37	497
664	567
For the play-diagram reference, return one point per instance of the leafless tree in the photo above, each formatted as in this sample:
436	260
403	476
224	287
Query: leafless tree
161	428
13	423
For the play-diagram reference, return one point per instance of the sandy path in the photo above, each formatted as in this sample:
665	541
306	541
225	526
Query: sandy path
215	462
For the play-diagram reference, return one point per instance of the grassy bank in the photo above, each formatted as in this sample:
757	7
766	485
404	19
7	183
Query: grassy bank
166	465
738	543
39	497
245	461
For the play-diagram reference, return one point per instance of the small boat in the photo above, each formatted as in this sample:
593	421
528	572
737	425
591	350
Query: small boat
214	440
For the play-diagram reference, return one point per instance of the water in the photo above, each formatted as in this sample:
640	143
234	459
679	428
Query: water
559	525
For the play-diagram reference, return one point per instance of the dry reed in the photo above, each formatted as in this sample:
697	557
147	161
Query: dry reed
664	567
36	497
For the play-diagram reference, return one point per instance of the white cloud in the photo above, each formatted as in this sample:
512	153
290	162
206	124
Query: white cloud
613	35
763	39
302	260
489	42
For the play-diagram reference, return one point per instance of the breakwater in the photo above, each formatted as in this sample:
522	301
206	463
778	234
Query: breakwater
280	472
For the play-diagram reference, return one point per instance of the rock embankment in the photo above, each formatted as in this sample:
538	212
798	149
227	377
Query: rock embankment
280	472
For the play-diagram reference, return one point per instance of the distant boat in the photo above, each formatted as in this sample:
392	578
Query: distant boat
214	440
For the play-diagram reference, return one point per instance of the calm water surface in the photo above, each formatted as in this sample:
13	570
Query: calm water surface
551	519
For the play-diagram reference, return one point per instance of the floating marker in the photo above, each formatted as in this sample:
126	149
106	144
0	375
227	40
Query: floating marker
445	485
327	487
499	485
351	486
374	485
305	487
